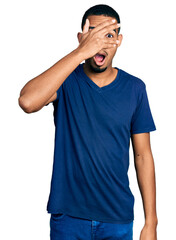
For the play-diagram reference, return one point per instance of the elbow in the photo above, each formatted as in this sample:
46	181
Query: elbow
24	104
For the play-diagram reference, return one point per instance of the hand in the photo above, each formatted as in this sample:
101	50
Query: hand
148	232
93	41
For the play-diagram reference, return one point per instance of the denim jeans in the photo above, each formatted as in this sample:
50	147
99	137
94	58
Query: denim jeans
66	227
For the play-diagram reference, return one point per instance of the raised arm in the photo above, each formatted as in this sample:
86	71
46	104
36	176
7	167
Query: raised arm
42	89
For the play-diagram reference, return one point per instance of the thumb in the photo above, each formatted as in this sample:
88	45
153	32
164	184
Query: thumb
86	26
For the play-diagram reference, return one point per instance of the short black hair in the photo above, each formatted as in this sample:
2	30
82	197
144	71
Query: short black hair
101	9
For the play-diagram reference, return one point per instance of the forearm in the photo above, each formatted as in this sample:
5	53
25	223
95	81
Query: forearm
37	91
146	180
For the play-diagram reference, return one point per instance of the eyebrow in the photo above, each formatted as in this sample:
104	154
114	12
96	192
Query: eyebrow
94	27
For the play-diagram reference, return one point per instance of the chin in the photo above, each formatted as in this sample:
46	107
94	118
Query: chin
96	68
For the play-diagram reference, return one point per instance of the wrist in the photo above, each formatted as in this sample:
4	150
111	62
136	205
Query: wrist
80	54
152	221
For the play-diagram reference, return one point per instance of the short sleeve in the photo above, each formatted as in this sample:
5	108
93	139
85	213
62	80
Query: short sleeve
142	119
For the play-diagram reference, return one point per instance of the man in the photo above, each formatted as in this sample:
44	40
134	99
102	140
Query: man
97	109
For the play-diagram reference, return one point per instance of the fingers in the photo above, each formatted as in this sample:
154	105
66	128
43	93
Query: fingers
111	42
110	45
106	26
86	26
109	28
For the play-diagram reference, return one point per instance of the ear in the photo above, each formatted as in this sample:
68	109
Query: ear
120	38
79	35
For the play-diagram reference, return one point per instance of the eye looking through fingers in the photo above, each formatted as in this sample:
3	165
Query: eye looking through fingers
110	34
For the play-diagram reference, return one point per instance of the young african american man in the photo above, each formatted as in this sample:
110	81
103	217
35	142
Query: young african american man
97	110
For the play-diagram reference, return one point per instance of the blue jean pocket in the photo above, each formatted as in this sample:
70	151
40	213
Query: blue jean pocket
57	216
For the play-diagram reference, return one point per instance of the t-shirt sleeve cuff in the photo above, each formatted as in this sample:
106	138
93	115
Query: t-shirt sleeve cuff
143	130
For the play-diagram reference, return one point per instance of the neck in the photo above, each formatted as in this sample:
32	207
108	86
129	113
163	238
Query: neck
100	78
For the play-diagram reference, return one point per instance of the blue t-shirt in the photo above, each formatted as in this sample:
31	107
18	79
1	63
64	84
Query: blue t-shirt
93	126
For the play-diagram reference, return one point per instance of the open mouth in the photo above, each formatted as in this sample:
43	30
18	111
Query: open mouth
99	59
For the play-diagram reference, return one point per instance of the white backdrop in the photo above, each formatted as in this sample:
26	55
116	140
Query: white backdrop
34	36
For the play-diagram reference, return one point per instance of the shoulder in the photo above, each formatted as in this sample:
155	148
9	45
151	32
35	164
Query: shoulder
135	82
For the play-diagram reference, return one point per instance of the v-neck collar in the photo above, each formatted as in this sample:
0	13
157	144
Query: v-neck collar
94	85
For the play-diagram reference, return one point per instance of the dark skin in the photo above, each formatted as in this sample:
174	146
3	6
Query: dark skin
145	171
101	75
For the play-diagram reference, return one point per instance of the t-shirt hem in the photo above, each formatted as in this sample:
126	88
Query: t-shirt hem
93	218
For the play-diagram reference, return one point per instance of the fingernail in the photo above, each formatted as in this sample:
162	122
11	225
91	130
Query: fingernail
118	25
117	41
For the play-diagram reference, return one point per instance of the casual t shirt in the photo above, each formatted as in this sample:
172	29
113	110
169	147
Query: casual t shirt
93	126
